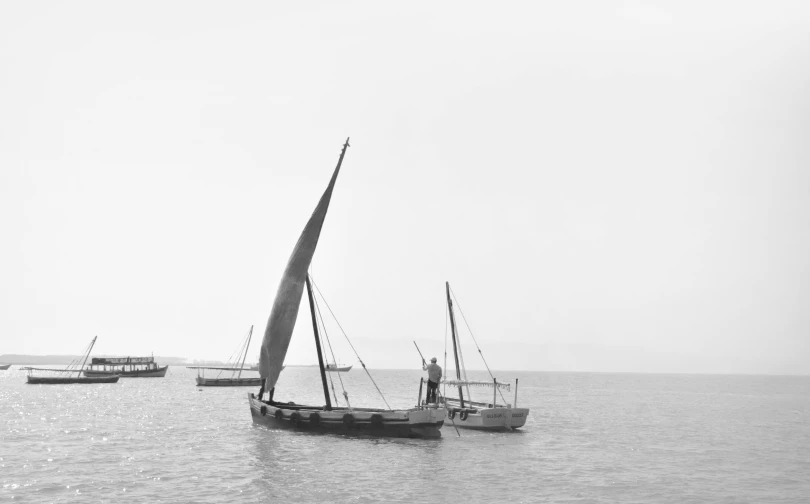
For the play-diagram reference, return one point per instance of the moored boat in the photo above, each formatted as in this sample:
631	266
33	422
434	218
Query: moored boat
463	412
70	375
3	367
127	367
235	379
338	368
62	380
420	421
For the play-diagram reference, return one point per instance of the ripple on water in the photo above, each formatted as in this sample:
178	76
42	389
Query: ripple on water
589	438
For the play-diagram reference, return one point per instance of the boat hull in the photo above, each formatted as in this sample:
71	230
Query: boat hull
3	367
412	423
64	380
499	418
338	369
228	382
138	373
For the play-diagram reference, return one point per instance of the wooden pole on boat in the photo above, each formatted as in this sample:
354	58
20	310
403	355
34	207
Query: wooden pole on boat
455	349
88	354
246	350
419	401
515	404
494	391
317	338
444	400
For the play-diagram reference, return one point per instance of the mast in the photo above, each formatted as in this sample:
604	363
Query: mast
455	347
318	345
246	350
88	353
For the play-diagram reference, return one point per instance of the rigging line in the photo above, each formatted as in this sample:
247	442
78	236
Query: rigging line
463	364
322	326
350	343
75	362
321	332
476	342
444	387
234	356
325	337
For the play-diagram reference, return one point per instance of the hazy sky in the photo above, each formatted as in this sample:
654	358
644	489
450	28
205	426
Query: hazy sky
608	186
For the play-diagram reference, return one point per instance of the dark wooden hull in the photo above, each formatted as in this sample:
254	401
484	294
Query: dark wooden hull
3	367
138	373
228	382
63	380
412	423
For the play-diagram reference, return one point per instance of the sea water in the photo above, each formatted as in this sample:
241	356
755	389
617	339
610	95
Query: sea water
589	438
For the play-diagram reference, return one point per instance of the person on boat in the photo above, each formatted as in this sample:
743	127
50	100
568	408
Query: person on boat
434	376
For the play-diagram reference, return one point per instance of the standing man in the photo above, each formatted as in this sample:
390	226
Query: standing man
434	376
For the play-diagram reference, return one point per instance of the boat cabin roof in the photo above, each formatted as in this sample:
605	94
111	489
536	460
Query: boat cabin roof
100	361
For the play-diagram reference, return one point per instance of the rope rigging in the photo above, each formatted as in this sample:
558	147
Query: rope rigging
73	367
444	387
458	305
325	337
350	344
235	355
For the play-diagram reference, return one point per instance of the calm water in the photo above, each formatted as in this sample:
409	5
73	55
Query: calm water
589	438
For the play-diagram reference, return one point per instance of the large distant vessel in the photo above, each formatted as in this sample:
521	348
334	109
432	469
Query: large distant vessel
127	367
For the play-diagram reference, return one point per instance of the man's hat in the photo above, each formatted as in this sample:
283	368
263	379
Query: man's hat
433	359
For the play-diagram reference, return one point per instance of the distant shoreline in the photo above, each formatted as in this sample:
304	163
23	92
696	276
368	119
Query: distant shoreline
19	359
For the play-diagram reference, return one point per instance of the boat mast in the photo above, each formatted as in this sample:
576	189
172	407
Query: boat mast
246	350
455	348
88	353
318	340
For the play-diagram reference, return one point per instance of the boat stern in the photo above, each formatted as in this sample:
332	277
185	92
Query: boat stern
427	421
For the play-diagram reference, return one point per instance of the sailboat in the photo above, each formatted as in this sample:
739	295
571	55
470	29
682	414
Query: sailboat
235	379
71	374
472	414
420	421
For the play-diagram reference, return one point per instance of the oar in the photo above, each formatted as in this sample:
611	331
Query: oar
445	404
420	354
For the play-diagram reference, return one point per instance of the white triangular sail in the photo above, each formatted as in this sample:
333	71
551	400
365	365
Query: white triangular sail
284	313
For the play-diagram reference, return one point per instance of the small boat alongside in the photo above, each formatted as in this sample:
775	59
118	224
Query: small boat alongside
235	379
70	375
127	367
466	413
422	421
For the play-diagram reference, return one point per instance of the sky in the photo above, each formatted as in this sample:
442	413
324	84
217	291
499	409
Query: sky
608	186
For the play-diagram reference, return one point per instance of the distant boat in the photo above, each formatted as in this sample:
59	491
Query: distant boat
127	367
3	367
478	415
232	381
420	421
337	368
72	374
